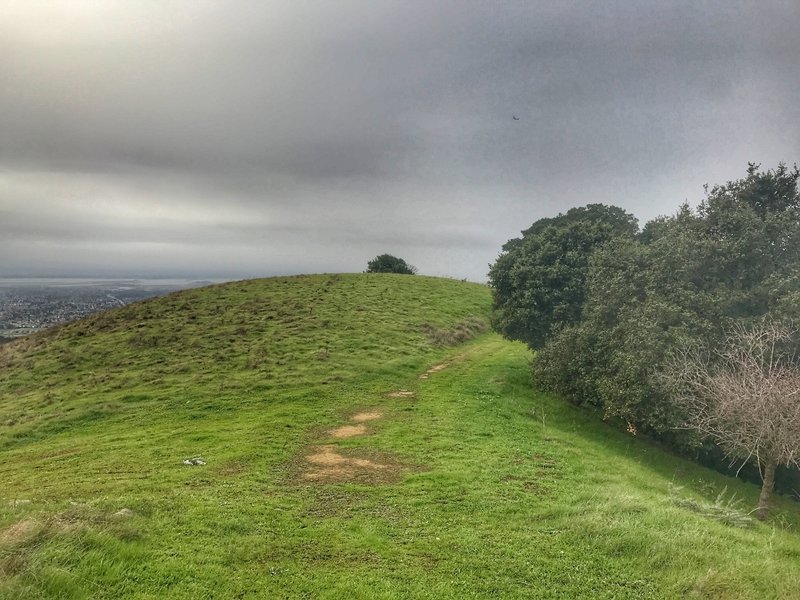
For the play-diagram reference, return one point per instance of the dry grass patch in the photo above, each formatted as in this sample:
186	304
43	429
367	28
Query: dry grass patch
458	334
19	532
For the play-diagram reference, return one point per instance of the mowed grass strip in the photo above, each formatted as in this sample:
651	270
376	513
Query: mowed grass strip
496	491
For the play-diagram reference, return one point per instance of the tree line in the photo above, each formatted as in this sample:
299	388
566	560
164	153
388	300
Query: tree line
641	324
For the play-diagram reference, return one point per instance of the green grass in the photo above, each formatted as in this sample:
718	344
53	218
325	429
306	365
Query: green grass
490	490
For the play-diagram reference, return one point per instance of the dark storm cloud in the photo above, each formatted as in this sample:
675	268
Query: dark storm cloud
271	136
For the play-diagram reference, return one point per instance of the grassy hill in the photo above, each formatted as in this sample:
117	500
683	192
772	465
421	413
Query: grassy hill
361	438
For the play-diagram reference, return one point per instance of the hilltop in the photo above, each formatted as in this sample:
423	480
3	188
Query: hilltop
340	436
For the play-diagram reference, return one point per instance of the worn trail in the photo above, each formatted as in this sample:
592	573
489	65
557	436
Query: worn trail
328	463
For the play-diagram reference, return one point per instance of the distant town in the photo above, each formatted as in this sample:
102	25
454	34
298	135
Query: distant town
29	305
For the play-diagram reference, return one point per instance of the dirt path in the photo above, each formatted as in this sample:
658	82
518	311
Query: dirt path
366	416
433	369
328	463
347	431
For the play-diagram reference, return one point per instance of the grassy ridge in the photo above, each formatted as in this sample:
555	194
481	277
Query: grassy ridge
494	491
218	348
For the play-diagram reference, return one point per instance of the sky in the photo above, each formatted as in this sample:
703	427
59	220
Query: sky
237	138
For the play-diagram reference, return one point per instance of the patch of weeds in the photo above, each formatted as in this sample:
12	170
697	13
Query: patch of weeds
727	510
458	334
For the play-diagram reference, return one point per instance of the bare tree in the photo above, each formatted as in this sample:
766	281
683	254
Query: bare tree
745	396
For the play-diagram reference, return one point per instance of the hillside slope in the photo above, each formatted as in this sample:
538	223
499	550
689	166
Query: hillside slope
349	452
225	348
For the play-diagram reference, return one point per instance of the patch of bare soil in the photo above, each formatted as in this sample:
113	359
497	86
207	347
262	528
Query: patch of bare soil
327	456
363	417
328	464
347	431
400	394
18	531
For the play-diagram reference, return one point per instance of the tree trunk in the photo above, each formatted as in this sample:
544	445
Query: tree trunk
766	490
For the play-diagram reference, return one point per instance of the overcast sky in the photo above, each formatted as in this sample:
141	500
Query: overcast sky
236	139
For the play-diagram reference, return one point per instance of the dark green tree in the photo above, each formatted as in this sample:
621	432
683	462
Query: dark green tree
684	280
386	263
539	280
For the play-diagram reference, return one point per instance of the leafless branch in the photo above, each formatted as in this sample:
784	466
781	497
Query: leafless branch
744	395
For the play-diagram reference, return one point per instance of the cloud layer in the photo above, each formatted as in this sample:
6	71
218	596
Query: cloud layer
250	138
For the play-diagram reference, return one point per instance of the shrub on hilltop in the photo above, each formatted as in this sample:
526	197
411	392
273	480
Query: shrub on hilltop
386	263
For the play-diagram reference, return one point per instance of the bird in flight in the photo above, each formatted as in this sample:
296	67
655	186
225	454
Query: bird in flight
515	117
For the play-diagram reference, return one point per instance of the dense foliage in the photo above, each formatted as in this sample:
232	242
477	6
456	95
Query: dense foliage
386	263
684	278
539	281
